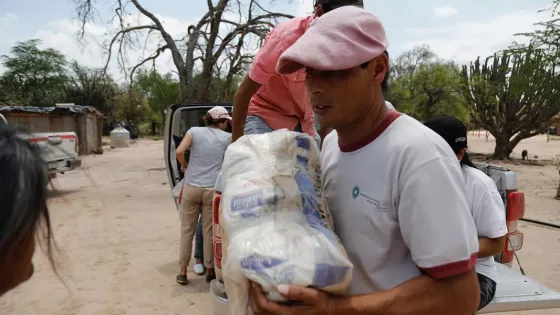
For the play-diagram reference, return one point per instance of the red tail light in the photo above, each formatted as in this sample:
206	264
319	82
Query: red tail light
515	211
218	254
516	206
217	231
216	208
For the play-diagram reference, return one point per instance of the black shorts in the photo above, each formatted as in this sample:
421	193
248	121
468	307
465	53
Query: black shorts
487	290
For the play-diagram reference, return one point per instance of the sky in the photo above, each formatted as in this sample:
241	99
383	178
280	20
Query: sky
454	29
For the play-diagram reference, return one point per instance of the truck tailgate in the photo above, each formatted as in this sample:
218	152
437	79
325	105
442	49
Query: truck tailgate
516	292
56	146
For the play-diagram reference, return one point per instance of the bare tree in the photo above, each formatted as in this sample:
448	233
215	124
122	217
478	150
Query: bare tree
204	43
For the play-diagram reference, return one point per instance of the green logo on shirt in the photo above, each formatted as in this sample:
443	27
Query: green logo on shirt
356	192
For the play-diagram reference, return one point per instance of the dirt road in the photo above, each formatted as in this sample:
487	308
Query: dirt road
117	230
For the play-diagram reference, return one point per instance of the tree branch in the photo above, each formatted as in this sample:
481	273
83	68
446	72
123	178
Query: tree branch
123	33
166	37
152	58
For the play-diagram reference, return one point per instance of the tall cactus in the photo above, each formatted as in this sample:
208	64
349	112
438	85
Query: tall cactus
514	95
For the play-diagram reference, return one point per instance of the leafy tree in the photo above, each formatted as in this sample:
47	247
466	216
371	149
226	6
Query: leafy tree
424	86
10	94
546	37
433	89
514	96
34	76
91	87
160	90
132	106
408	62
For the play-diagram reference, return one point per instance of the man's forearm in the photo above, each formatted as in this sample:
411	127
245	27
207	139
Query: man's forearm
423	295
489	247
243	96
240	108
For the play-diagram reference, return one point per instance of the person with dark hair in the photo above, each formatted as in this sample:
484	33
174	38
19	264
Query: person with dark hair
23	207
392	185
268	101
208	146
485	202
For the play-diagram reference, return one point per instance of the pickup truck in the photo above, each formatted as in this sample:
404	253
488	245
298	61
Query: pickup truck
59	150
515	292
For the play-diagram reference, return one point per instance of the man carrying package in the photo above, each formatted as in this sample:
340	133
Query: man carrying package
268	101
393	186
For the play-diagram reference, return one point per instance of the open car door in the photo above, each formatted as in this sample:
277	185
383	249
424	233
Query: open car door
179	119
515	292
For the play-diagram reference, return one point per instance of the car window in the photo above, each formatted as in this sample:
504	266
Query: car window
193	118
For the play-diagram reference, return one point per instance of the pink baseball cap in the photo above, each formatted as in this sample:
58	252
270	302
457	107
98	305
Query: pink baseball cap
342	39
219	112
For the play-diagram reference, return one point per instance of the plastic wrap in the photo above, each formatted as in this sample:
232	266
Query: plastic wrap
276	223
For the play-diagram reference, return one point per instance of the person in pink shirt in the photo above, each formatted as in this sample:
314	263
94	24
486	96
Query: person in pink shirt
268	101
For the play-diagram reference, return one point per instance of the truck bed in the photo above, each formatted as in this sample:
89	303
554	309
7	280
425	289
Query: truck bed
515	292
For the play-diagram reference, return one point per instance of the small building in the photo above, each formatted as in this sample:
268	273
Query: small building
85	121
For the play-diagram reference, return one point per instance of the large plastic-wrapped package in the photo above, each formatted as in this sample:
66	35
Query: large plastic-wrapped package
276	224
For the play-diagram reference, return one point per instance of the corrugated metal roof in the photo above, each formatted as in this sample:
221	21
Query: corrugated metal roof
64	109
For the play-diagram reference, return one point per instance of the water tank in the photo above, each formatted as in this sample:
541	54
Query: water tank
120	138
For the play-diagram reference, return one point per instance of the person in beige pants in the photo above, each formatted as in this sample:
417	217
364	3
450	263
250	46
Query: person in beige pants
207	146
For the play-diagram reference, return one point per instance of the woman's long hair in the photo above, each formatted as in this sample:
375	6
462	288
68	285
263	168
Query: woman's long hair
23	192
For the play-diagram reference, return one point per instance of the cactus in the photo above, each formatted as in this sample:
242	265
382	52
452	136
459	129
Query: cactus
514	95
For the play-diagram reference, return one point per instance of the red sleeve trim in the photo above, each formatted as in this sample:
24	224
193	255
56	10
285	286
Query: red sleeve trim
451	269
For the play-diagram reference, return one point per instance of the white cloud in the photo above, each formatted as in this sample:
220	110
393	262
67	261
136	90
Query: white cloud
445	12
8	17
464	41
62	35
6	20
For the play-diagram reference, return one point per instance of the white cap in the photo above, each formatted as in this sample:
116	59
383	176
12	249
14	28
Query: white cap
219	112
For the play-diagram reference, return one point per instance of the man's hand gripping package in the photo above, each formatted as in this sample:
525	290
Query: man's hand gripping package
277	226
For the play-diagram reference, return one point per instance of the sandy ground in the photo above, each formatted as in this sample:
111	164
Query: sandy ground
117	229
535	146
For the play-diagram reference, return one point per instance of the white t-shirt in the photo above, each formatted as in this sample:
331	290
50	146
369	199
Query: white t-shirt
398	205
488	211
